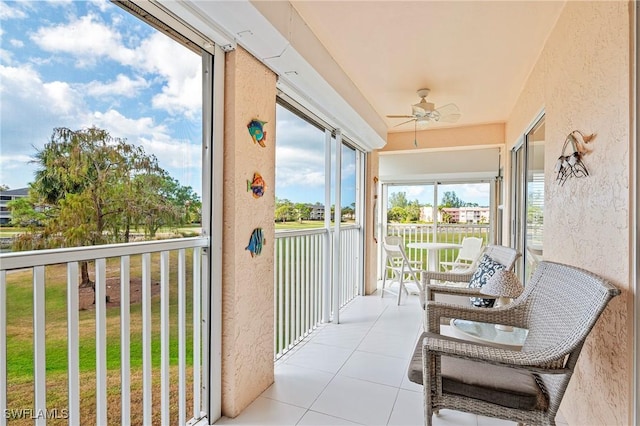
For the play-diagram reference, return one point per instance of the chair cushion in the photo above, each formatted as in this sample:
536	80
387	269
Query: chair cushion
486	268
491	383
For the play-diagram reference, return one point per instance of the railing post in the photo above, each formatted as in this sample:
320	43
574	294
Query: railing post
125	341
3	346
164	337
39	352
73	343
101	341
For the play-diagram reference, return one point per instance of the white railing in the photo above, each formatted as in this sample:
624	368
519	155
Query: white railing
42	275
300	280
349	263
451	233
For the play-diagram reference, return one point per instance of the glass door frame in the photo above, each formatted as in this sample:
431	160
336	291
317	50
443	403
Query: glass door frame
520	156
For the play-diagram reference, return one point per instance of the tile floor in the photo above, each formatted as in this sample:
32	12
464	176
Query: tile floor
353	373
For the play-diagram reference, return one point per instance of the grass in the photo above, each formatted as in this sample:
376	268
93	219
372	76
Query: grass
306	224
20	368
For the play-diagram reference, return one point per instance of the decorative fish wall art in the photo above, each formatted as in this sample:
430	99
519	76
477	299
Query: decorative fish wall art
256	186
256	131
256	242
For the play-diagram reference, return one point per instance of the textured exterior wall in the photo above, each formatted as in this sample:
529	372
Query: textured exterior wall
370	244
247	282
484	134
582	81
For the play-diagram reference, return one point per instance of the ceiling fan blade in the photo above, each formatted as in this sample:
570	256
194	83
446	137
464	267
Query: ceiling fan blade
448	109
405	122
451	118
400	116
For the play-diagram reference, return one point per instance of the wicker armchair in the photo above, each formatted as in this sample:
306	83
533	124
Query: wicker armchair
559	307
501	254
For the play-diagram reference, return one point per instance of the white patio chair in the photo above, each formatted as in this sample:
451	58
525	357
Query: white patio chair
399	267
467	257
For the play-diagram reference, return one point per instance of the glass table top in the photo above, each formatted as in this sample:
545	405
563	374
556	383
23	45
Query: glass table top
484	332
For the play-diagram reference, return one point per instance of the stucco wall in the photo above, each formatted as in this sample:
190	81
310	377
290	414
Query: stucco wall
247	287
581	80
479	135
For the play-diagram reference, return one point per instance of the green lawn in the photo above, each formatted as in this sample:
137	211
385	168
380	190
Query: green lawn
20	340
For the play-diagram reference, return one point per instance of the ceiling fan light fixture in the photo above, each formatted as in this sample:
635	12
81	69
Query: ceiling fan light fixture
422	108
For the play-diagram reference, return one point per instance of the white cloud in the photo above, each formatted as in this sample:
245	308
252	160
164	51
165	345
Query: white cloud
121	86
85	38
88	40
10	12
154	138
47	105
182	70
16	43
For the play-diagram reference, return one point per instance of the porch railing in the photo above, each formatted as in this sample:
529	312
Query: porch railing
128	337
300	280
450	233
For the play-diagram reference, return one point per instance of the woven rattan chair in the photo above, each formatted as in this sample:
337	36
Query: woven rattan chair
501	254
559	307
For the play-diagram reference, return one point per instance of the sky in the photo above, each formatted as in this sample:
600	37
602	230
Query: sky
478	193
300	162
78	64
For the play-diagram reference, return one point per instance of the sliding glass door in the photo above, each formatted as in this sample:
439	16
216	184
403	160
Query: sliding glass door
527	172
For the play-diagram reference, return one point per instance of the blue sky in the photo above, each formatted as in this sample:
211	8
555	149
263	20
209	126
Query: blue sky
300	163
78	64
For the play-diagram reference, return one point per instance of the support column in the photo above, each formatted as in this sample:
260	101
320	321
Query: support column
247	281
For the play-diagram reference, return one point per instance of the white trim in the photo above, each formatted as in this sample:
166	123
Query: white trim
337	219
635	204
215	270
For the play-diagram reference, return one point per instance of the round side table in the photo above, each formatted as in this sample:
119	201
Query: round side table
480	332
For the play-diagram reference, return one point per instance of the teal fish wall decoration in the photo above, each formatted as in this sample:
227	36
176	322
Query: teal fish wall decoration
256	131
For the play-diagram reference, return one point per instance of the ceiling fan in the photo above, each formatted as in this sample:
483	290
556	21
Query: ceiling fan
425	111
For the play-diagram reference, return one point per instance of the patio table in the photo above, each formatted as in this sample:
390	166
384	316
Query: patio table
433	250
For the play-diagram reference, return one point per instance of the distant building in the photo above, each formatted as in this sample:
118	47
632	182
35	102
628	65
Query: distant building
5	197
468	214
317	212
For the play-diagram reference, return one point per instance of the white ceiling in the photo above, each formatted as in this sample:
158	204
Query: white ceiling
476	54
354	62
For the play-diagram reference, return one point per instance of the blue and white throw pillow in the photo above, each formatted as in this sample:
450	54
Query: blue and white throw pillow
486	268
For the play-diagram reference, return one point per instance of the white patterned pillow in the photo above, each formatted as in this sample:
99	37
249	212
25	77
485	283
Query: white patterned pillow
486	268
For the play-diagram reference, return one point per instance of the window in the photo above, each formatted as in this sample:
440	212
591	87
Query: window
80	65
528	198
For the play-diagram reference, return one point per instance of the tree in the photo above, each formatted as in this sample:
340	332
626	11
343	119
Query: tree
4	187
412	211
398	199
24	213
396	214
450	199
94	188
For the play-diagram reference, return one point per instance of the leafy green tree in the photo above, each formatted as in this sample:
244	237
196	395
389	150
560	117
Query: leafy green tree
4	187
398	199
396	214
412	211
450	199
24	213
95	188
303	211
